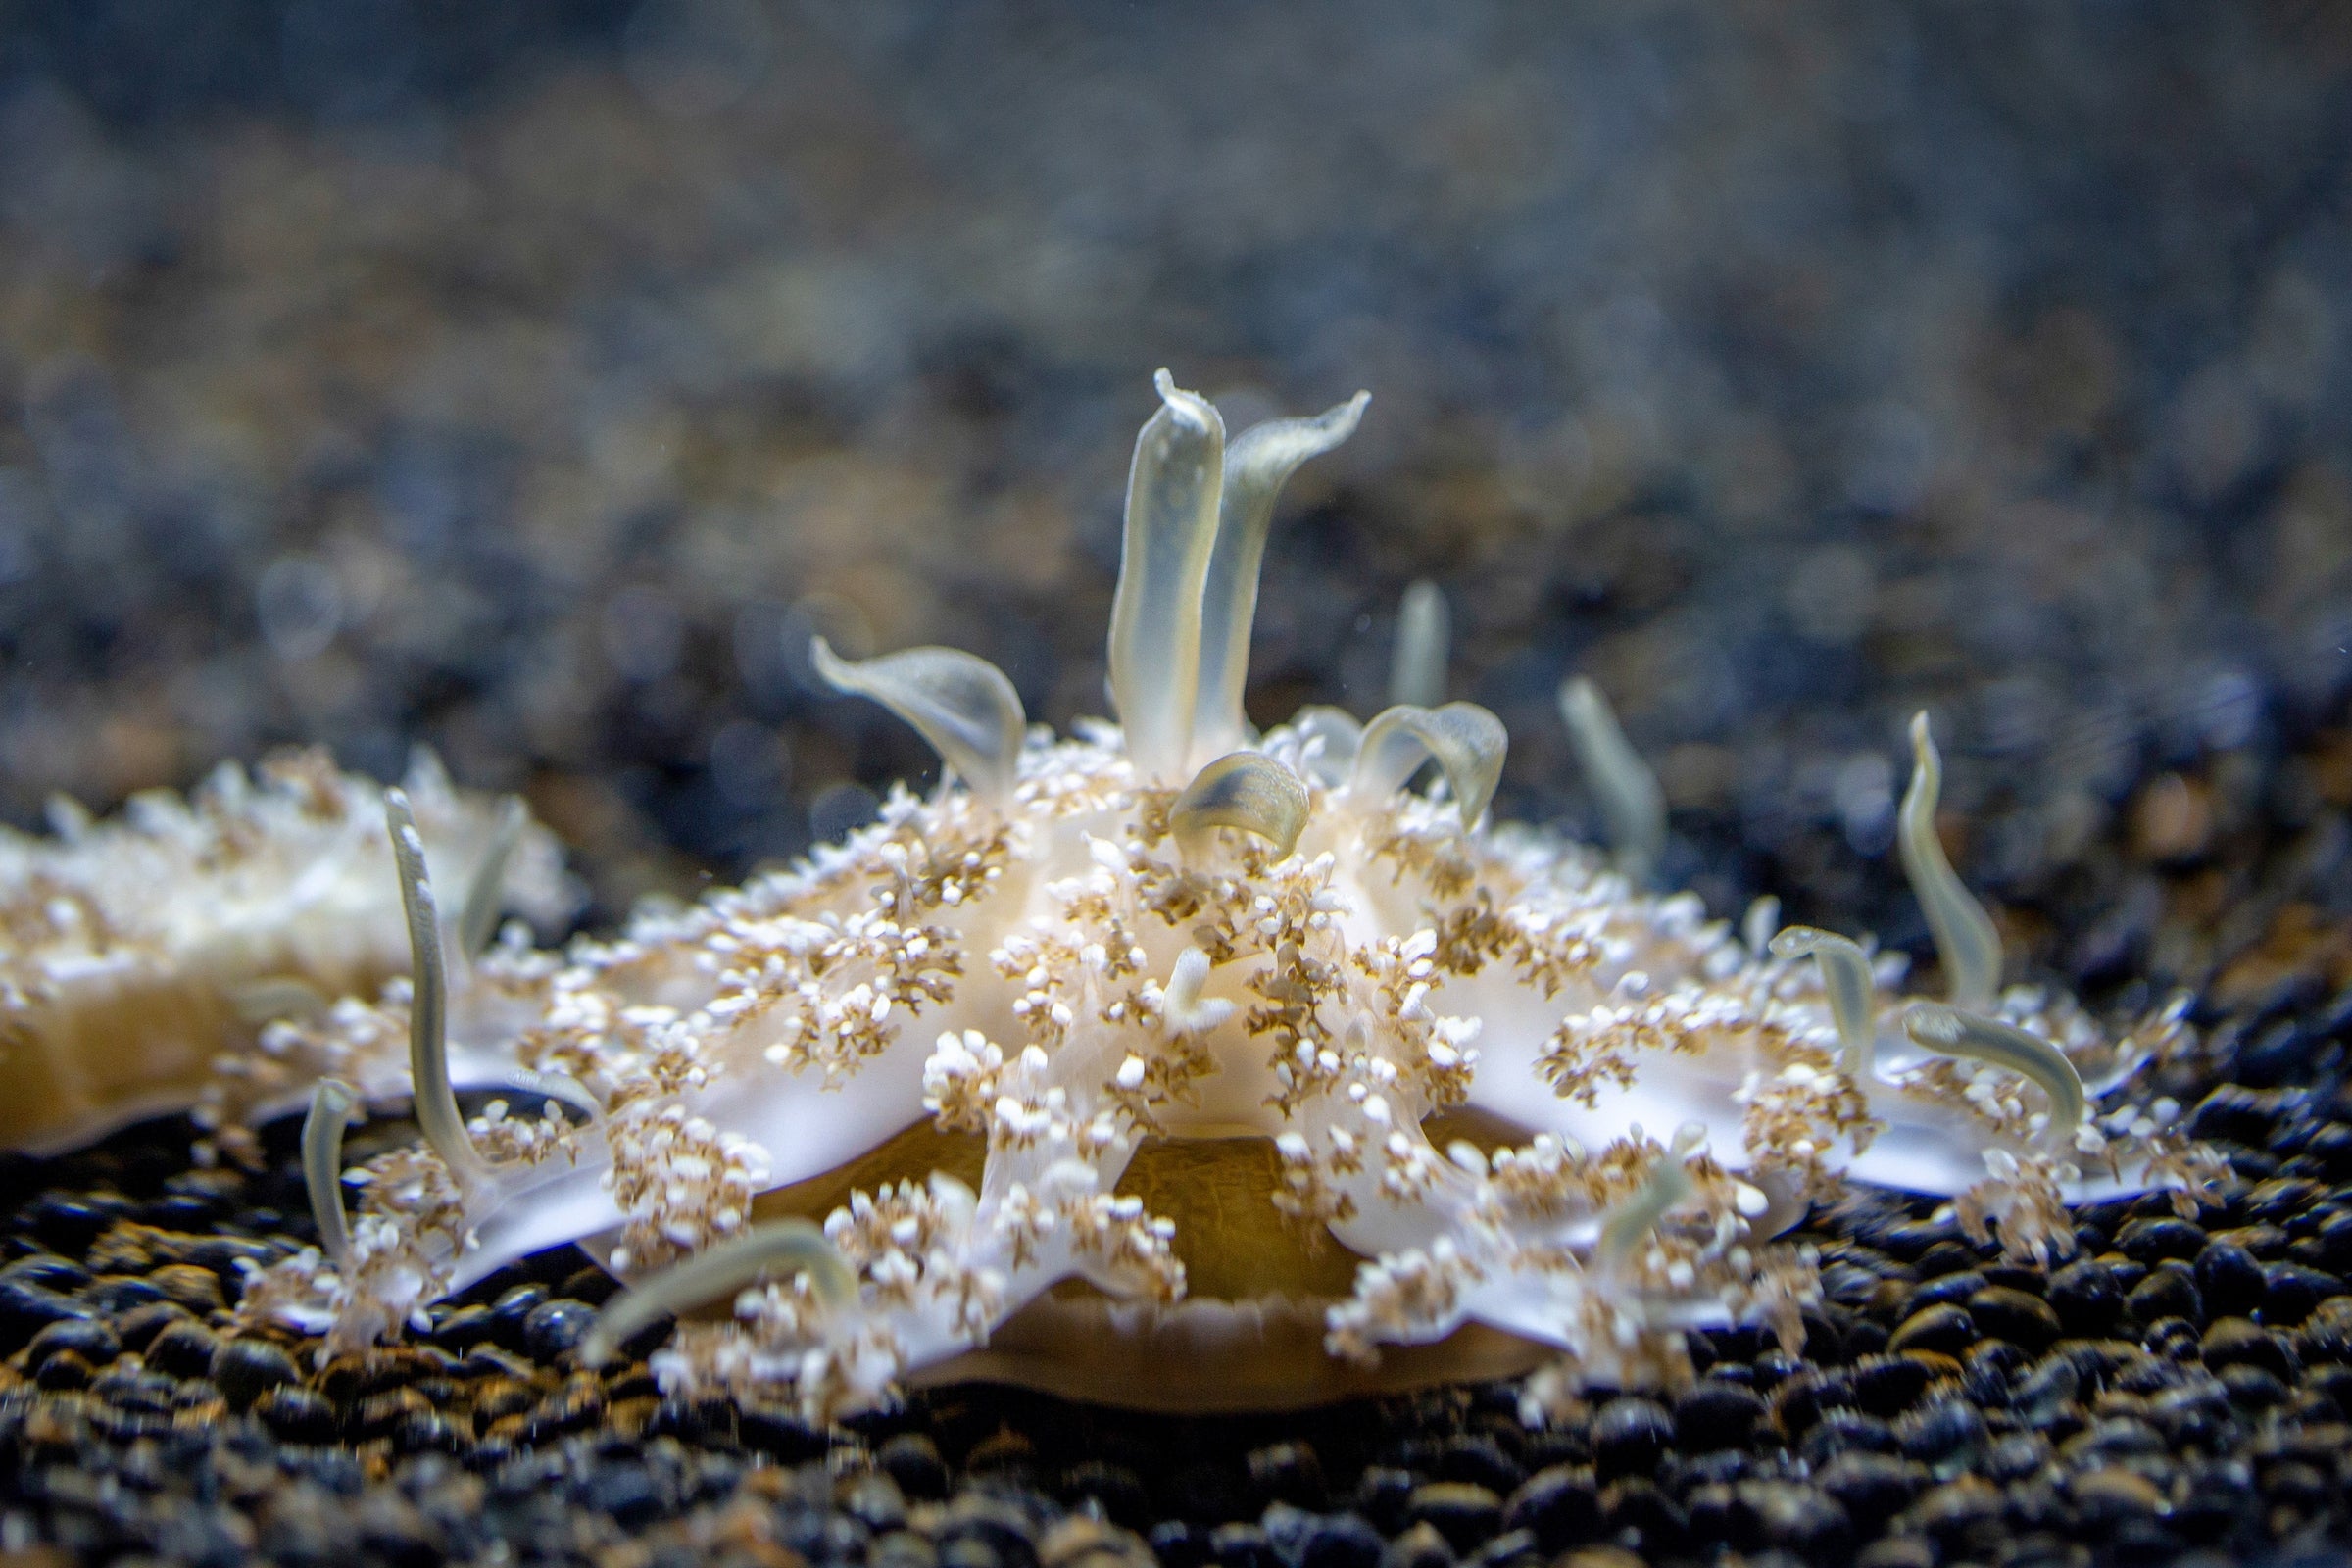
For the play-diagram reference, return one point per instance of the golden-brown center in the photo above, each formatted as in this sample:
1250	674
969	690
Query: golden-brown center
1234	1243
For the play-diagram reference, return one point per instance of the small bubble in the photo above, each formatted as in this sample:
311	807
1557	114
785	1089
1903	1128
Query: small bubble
300	606
749	764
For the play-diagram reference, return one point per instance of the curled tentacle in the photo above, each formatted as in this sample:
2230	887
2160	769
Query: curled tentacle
1247	790
1631	804
1467	741
332	1106
962	705
1965	938
787	1247
1845	976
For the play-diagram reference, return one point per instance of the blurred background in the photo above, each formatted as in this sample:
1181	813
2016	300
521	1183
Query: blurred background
531	380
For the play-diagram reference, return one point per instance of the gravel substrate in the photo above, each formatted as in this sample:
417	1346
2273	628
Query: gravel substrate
2177	1388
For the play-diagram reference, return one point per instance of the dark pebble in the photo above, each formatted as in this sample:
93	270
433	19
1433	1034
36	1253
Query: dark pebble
1802	1520
1287	1472
1338	1540
1176	1543
1461	1511
508	1313
1952	1289
2087	1297
48	1272
2289	1292
25	1309
1872	1488
1628	1437
2331	1382
1945	1328
185	1350
1888	1385
2254	1388
2240	1114
1478	1459
1384	1494
64	1370
2329	1152
87	1338
139	1327
1946	1431
780	1435
2171	1339
120	1293
2026	1321
2152	1240
1241	1546
2112	1495
1716	1414
1719	1515
627	1493
243	1370
1848	1431
912	1459
2241	1342
297	1415
2164	1293
2218	1499
553	1327
1559	1506
1643	1518
2279	1199
463	1328
874	1500
1114	1489
1802	1399
1418	1546
1992	1369
2229	1280
70	1222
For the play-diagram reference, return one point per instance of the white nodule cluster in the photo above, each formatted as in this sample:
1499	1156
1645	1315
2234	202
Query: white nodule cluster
1181	1004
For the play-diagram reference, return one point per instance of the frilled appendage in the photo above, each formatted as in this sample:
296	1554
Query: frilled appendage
144	954
1177	1065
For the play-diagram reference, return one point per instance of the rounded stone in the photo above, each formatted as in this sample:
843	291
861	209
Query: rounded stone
2241	1342
1872	1488
1716	1414
1287	1472
2087	1297
2229	1279
2164	1293
89	1337
1418	1546
2153	1239
1945	1328
2111	1495
1888	1385
244	1370
1339	1540
185	1350
1476	1457
1630	1434
2024	1320
1559	1506
912	1460
553	1327
1944	1430
297	1415
1464	1513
